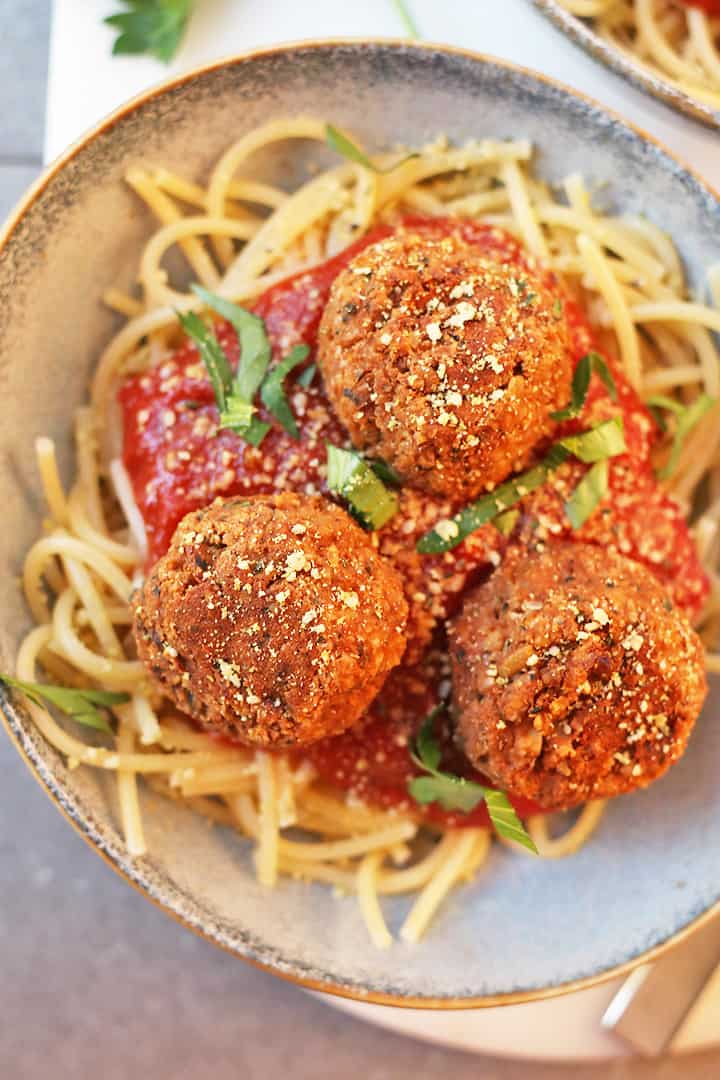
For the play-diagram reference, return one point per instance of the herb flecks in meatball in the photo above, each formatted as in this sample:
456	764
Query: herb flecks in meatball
574	676
444	361
271	619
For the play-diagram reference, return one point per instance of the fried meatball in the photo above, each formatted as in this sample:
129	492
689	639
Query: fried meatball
443	361
574	676
271	619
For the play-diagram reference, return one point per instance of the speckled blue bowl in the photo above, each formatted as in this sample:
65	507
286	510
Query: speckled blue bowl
527	928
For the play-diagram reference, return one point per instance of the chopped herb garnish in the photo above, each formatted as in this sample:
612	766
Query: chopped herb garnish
151	26
212	355
448	534
255	353
347	149
558	309
273	393
589	493
505	523
589	363
686	418
603	441
385	472
84	706
237	413
456	793
306	377
355	481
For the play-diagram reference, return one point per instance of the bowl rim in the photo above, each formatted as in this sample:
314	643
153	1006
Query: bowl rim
11	717
634	71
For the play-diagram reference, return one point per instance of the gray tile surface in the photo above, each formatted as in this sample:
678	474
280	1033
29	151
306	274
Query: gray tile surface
24	36
94	982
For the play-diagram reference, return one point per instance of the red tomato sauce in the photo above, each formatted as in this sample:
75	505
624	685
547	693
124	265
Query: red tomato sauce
178	461
712	7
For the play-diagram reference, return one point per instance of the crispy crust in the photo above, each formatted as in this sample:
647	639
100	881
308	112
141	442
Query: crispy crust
443	361
271	619
574	676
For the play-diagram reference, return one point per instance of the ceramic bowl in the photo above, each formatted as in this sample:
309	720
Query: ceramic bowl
526	928
582	33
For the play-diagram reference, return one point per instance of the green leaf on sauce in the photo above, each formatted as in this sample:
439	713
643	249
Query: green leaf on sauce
351	477
603	441
212	355
455	792
306	377
505	523
589	363
273	393
84	706
589	493
686	418
448	534
254	360
255	351
347	149
155	27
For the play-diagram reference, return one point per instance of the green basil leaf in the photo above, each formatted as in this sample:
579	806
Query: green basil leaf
448	534
603	441
352	478
273	393
505	523
589	363
255	352
212	355
686	418
84	706
347	149
589	493
385	472
450	792
455	792
505	819
306	377
427	753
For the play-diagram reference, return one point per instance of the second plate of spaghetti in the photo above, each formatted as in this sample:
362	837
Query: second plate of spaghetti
669	47
385	570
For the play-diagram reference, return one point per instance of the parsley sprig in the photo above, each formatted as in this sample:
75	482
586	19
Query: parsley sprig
455	792
87	707
156	27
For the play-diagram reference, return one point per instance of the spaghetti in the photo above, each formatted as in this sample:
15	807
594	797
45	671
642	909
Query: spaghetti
241	236
678	40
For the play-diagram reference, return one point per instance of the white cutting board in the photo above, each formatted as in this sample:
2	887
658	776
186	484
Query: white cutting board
86	83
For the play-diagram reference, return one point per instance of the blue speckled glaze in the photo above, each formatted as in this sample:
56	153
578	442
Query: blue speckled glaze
526	927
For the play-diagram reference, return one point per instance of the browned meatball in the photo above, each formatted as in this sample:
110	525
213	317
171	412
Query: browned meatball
271	619
444	361
574	676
